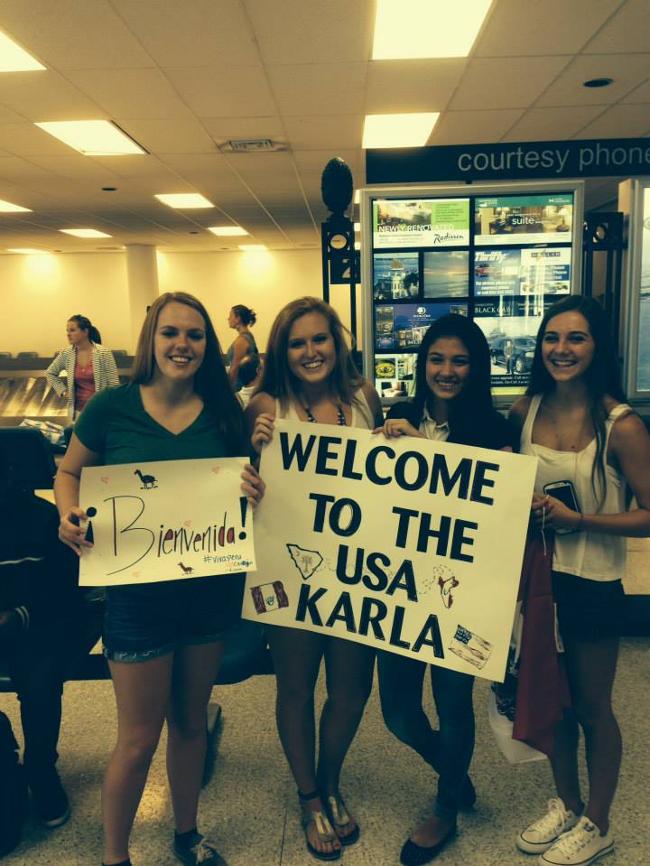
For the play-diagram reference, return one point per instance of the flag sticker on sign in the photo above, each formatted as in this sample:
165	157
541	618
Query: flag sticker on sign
269	596
470	647
306	561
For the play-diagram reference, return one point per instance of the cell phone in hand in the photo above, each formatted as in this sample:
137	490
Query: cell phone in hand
565	492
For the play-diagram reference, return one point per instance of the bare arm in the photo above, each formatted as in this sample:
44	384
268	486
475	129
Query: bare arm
66	493
374	403
240	349
630	447
260	418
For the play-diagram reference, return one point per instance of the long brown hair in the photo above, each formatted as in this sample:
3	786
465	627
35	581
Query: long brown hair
602	377
210	381
279	381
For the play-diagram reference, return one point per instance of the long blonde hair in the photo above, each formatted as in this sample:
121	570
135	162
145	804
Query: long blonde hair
277	378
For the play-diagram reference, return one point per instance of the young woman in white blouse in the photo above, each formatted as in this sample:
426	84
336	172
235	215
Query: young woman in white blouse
588	441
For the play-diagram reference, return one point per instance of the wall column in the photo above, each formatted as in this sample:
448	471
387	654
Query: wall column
142	279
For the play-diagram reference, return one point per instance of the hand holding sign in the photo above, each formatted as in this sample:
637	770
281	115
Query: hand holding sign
165	520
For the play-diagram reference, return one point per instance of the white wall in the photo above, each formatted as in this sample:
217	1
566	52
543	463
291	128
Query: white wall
39	293
265	281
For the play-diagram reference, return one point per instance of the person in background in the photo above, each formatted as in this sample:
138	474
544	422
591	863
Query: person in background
164	641
46	625
89	366
249	372
240	318
309	376
452	403
575	420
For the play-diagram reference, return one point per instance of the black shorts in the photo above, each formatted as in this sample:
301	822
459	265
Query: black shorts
588	609
145	621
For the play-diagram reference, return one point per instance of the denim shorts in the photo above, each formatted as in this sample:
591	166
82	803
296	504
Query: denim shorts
588	609
145	621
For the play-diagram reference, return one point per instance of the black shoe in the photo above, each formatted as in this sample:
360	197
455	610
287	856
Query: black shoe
416	855
50	800
467	795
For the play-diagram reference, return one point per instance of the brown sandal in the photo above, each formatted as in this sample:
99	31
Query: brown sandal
341	819
324	829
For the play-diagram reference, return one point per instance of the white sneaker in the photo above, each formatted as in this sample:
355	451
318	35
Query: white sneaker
541	834
578	847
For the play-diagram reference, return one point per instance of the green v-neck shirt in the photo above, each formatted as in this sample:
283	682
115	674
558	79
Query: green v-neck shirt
115	425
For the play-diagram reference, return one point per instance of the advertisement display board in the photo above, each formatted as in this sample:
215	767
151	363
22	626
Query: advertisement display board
501	254
643	356
420	223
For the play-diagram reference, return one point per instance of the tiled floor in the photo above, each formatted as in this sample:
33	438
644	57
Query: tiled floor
250	804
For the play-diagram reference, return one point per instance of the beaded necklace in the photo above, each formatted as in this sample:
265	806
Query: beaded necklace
339	411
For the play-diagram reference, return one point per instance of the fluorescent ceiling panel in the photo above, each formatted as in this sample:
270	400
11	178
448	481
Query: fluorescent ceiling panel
398	130
85	233
427	28
228	231
27	251
9	207
250	248
13	58
93	137
184	200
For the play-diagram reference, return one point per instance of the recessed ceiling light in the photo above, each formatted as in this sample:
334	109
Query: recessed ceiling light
85	233
598	82
422	28
184	200
13	58
27	251
251	248
9	207
398	130
228	231
93	137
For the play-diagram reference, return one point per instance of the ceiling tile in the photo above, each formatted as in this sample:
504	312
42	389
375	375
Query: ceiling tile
191	33
157	135
296	31
411	85
553	124
73	34
473	127
225	128
628	30
318	88
46	95
634	119
222	91
335	131
627	70
512	82
640	94
537	27
129	93
25	139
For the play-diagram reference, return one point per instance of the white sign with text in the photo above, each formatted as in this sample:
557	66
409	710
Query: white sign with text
165	520
407	545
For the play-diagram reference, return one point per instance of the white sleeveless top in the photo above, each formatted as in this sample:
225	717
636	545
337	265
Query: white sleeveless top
361	414
594	555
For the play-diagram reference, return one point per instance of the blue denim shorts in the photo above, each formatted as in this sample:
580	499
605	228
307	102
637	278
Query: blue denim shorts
145	621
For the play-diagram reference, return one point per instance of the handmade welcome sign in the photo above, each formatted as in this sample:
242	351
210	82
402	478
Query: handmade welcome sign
171	519
407	545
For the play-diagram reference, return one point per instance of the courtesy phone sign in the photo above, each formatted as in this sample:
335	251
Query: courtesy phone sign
165	520
407	545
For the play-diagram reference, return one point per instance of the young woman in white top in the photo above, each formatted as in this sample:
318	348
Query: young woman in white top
574	419
309	376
